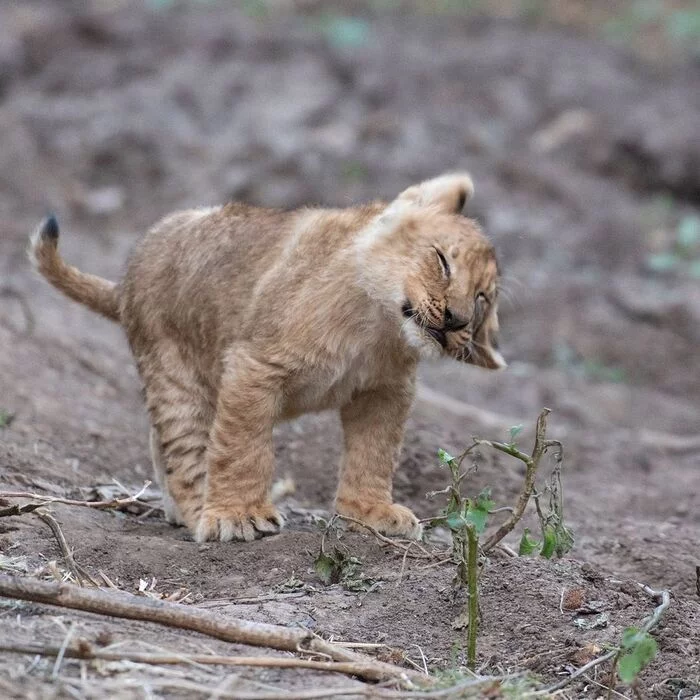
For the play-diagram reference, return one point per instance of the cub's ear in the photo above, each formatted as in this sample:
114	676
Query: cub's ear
448	192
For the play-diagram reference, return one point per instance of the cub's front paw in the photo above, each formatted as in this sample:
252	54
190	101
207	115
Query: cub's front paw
388	518
245	523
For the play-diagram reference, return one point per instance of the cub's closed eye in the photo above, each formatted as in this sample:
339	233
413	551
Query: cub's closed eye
443	263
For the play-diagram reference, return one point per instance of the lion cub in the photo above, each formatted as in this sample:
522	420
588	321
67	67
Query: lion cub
240	317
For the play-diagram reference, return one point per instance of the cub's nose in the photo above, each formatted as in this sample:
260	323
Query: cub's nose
454	322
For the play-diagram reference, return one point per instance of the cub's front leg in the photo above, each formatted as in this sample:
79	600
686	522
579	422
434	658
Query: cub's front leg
373	424
240	456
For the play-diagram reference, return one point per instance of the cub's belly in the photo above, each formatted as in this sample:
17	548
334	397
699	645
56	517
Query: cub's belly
322	392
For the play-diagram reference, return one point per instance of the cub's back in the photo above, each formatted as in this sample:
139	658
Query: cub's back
196	266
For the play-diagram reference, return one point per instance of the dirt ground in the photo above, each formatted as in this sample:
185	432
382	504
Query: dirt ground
587	168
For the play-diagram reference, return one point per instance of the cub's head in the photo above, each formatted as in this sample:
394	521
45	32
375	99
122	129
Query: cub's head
437	271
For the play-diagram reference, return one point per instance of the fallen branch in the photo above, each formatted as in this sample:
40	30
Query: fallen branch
41	500
232	630
86	652
531	464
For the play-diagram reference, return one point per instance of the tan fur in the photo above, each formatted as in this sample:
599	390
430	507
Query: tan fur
240	317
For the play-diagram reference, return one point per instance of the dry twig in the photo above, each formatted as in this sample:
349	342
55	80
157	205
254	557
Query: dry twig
421	554
41	500
78	572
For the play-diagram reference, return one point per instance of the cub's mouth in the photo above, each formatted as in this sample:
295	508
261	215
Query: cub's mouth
437	334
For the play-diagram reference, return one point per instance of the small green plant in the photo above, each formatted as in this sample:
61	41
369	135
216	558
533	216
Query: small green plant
339	566
6	418
467	518
683	255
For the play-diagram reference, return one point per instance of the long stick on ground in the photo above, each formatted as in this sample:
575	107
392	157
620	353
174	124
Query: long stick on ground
232	630
87	652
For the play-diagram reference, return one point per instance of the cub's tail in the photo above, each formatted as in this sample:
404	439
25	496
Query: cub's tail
96	293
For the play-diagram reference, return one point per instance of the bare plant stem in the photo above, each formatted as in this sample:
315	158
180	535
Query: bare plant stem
611	679
531	464
173	615
473	588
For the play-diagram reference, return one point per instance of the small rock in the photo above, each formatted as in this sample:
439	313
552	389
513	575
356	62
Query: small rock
597	623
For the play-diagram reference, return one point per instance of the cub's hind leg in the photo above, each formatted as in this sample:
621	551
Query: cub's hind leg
172	512
240	458
181	408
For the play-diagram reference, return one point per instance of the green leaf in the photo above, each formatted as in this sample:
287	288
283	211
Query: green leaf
641	649
477	518
688	233
550	542
455	521
478	510
514	432
527	544
630	637
564	540
662	262
483	500
445	457
327	569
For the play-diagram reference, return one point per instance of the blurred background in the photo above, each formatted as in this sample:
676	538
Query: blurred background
579	121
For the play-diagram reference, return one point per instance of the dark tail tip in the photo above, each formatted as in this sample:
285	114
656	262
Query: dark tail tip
49	229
